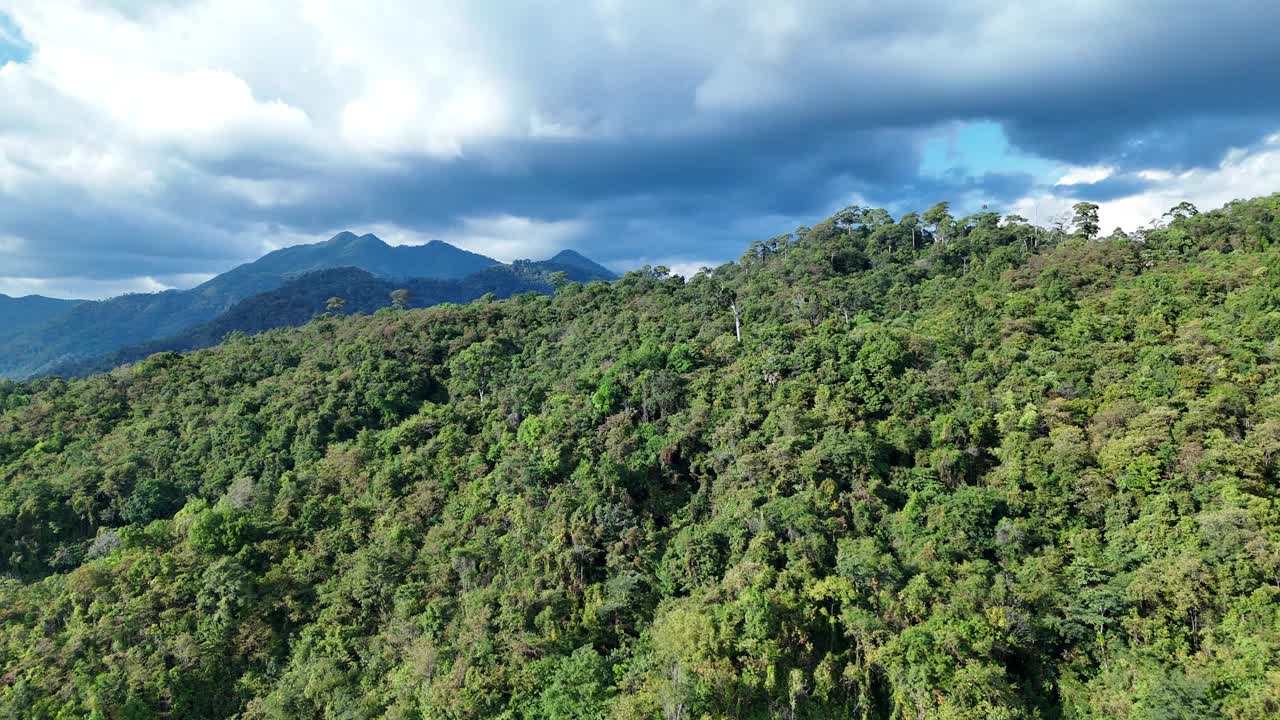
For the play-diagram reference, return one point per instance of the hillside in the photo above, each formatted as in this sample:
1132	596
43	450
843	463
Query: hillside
20	313
977	470
92	329
306	297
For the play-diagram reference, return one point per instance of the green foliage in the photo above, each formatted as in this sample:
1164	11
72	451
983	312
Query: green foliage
1085	219
955	468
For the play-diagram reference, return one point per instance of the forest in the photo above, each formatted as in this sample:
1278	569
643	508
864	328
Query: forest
923	468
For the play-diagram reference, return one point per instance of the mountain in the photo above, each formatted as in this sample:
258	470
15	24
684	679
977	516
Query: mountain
435	259
21	313
863	472
91	329
302	299
577	260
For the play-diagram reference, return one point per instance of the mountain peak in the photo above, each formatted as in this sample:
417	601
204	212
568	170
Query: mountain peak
342	238
346	238
573	258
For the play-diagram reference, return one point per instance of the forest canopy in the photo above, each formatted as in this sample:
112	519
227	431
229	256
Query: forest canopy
928	467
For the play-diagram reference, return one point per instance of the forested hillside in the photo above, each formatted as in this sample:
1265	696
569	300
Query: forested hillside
875	469
19	313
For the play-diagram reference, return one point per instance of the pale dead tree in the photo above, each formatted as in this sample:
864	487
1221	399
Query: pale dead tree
718	293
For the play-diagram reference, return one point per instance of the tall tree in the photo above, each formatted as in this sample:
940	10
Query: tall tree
1084	219
400	299
939	216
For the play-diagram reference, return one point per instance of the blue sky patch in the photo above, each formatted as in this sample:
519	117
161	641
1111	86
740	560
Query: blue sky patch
975	149
13	46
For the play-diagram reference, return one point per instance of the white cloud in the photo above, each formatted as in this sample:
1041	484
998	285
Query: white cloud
684	267
1043	209
510	237
394	117
79	288
266	192
1244	173
1085	175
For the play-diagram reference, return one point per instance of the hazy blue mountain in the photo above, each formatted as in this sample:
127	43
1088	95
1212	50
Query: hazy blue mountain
93	328
578	260
20	313
435	259
303	298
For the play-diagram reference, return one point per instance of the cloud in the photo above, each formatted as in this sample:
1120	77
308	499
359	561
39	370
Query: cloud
682	266
1139	198
1086	175
1241	174
80	287
508	237
144	139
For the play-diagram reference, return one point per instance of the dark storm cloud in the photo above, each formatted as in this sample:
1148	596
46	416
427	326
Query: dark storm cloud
109	243
773	173
1110	188
696	140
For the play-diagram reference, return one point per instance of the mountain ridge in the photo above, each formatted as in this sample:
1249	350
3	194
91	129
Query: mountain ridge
18	314
306	296
95	328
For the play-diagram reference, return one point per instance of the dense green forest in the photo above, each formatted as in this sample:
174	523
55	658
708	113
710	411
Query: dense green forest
924	468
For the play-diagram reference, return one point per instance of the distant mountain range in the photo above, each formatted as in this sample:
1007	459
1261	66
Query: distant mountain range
22	313
40	336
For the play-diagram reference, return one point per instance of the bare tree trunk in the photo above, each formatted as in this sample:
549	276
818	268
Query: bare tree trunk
737	320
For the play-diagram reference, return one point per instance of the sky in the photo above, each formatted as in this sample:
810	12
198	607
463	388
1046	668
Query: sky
149	144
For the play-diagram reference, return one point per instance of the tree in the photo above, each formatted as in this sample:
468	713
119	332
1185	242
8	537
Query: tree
911	222
1085	219
939	216
1182	210
849	217
875	218
334	304
474	369
715	290
400	299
